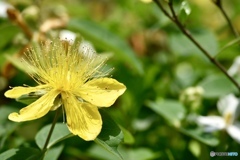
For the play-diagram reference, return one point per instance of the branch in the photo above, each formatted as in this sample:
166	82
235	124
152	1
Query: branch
163	10
218	3
15	16
175	19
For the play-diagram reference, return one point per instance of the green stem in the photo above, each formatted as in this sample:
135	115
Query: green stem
175	19
219	5
51	129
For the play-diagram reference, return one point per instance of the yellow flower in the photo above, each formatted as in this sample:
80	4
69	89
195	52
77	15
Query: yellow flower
75	79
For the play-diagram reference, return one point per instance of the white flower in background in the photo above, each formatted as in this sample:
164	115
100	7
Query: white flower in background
87	48
228	107
67	36
235	68
3	9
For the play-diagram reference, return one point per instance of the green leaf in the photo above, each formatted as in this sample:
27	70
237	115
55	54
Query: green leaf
98	152
229	44
185	11
21	153
197	134
142	154
8	32
185	7
111	135
171	110
6	126
53	153
60	133
27	99
128	137
216	86
16	62
5	111
183	46
106	40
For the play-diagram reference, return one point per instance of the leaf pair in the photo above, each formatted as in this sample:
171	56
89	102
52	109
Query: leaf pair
109	138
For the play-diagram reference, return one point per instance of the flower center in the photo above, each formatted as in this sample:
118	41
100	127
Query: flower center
228	117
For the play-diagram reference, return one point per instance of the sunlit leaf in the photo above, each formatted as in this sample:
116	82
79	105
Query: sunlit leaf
142	154
128	137
146	1
106	40
185	11
53	153
217	85
172	110
229	44
200	136
185	7
111	135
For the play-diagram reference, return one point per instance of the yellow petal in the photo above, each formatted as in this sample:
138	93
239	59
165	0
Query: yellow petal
83	119
101	92
37	109
19	91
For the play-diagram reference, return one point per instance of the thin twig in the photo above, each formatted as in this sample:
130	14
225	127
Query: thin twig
15	16
163	10
219	5
175	19
51	129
